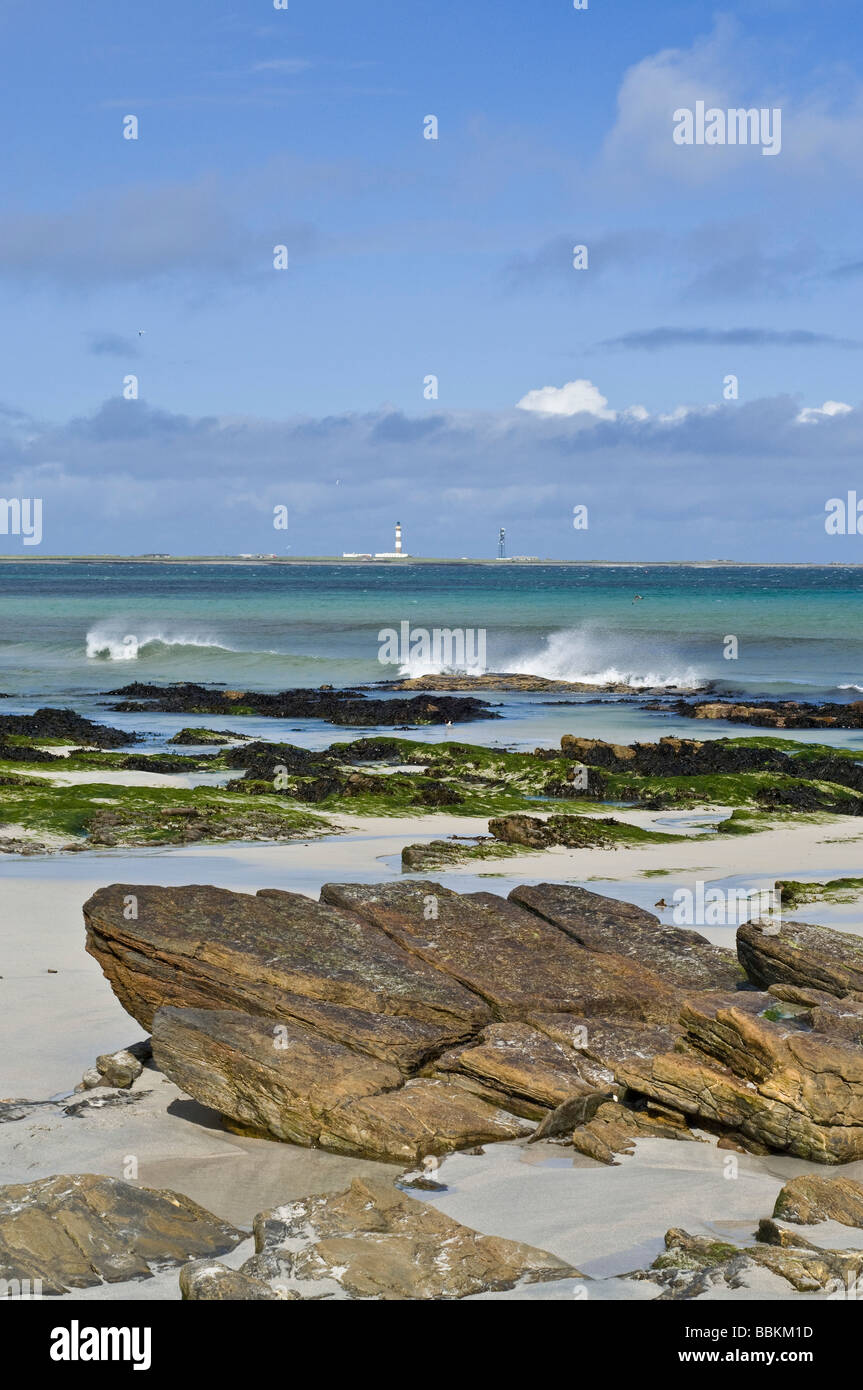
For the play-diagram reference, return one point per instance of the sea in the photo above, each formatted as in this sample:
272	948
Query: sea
72	632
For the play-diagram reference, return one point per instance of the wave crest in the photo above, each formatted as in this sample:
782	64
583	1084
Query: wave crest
110	646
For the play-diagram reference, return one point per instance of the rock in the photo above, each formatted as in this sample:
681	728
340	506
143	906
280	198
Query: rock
75	1232
501	680
92	1077
693	1265
210	1280
593	751
391	1021
803	955
426	1116
432	855
118	1068
344	707
776	1083
603	1043
289	1083
575	832
614	1128
810	1199
280	955
512	958
520	1068
64	724
270	1078
684	958
375	1242
199	737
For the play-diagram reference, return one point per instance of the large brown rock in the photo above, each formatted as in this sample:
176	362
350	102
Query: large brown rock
778	1084
74	1232
683	958
402	1019
280	955
514	959
288	1083
803	955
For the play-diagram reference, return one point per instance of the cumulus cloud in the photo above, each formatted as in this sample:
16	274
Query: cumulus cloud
813	413
573	398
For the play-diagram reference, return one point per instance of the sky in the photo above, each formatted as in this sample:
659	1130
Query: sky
430	353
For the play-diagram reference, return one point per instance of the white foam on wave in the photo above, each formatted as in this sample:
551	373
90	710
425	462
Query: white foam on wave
571	655
109	645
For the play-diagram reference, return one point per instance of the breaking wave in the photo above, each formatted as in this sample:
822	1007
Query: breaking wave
565	656
110	646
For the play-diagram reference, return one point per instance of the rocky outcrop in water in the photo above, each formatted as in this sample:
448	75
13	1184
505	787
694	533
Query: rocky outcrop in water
771	714
345	707
64	724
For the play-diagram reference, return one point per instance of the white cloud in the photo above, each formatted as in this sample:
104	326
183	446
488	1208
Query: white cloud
579	397
811	414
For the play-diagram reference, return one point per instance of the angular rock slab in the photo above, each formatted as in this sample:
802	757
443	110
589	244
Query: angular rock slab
289	1083
375	1242
516	961
277	954
426	1116
519	1068
602	1044
74	1232
267	1077
794	1091
803	955
681	957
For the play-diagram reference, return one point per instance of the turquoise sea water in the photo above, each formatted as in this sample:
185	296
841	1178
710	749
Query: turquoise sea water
69	631
63	627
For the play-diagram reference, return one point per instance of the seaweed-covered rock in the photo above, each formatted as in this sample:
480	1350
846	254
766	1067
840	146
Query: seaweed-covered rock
347	707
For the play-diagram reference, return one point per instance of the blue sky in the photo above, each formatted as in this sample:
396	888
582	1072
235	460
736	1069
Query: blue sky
411	257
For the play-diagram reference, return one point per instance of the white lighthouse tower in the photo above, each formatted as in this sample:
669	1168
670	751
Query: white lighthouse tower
398	553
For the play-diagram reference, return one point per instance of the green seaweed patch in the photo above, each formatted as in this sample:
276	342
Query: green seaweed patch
837	890
108	815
